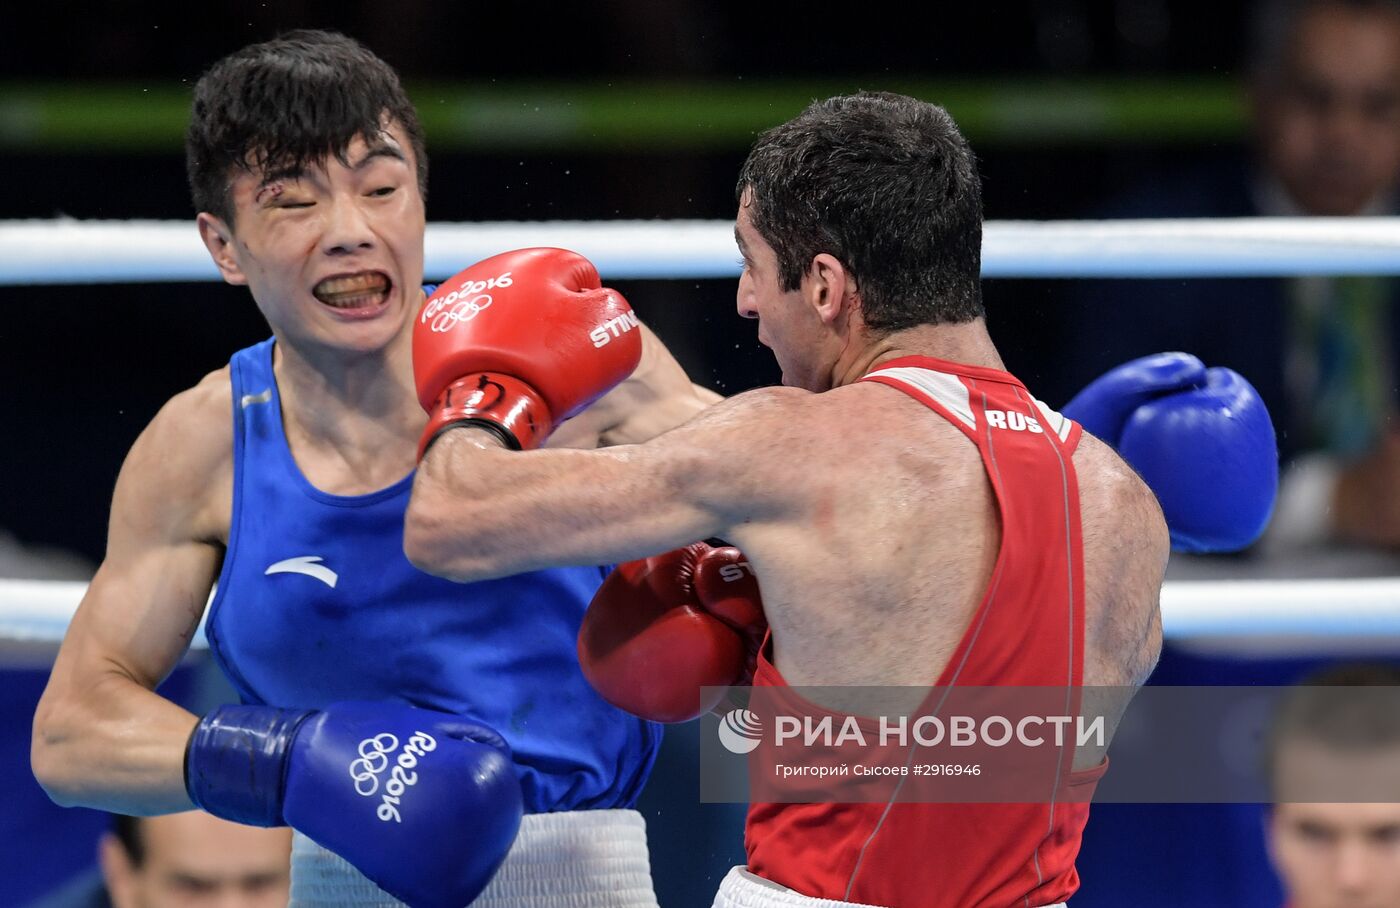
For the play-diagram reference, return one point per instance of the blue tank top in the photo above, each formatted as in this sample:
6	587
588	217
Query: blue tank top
316	603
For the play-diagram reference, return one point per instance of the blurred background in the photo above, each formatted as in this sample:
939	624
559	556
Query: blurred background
645	109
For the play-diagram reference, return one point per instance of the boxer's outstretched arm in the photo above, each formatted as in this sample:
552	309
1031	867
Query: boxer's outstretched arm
102	737
480	511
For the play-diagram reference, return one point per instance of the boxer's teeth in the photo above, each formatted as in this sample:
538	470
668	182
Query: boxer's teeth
352	291
353	301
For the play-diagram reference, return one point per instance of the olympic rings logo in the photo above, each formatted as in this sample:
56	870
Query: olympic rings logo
464	311
463	304
374	759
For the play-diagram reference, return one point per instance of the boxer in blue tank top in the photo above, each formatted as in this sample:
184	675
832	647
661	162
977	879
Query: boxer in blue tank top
400	721
314	582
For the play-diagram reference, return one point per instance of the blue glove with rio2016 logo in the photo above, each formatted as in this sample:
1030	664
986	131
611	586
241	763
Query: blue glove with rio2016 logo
425	804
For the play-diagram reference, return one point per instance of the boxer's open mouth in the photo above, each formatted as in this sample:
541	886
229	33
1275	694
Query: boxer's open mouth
364	290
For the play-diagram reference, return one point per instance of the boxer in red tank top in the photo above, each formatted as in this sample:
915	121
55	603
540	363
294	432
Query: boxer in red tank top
932	523
1028	630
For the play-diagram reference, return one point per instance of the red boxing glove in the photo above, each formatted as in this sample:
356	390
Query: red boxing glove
519	343
661	628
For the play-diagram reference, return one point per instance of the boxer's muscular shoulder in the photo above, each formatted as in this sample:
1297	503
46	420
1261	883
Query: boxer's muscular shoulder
178	477
1115	501
743	449
766	418
793	406
1125	555
802	427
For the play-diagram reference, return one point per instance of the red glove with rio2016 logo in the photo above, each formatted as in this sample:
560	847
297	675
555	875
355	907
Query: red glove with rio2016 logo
520	342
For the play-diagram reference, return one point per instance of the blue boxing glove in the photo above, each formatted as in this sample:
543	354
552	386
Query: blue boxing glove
425	804
1200	438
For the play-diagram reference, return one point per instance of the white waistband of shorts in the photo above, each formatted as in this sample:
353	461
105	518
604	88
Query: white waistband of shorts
741	889
574	859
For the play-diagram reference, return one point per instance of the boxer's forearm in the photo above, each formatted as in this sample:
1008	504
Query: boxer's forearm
479	511
102	737
113	746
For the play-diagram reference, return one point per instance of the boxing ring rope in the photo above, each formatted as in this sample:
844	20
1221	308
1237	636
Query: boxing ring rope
36	611
74	252
78	252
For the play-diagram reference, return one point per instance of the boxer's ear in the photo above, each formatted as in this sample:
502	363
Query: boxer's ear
829	287
218	239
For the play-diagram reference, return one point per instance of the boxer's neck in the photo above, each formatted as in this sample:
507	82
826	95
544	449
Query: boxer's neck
362	407
373	382
966	342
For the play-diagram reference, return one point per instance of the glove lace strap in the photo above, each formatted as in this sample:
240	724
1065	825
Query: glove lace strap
506	406
236	762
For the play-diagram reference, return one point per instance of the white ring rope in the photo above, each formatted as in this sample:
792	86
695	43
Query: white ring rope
35	611
38	611
1258	608
77	252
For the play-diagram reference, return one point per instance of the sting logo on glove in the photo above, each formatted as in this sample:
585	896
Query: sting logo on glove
733	573
613	327
374	759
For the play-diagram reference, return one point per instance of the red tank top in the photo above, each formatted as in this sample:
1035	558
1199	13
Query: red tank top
1027	631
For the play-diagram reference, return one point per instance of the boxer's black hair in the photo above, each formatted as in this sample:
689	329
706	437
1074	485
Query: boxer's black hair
287	104
888	185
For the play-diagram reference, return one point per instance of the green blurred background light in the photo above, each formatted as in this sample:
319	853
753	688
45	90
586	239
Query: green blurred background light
702	116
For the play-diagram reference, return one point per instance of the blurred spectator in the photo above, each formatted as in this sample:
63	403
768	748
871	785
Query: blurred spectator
1337	736
194	858
1324	97
182	859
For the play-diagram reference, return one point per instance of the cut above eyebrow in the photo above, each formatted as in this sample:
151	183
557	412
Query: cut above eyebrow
739	241
290	174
